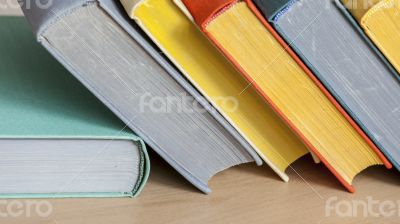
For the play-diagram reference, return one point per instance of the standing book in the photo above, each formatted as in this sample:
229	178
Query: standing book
56	138
242	34
217	79
381	22
346	63
98	43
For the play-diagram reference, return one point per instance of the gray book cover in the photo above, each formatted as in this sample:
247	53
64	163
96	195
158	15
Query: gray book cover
346	63
102	48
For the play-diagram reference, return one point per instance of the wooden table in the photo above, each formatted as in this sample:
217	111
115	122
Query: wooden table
244	194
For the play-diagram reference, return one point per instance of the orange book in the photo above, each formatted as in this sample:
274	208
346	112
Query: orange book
241	33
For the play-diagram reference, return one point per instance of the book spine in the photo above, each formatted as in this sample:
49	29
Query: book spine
41	14
204	11
273	8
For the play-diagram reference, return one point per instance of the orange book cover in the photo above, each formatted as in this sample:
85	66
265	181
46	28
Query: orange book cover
204	11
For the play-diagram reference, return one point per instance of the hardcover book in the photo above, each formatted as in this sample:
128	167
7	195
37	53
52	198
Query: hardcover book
216	78
343	59
97	42
245	37
380	20
56	138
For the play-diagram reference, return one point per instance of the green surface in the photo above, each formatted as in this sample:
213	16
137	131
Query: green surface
40	99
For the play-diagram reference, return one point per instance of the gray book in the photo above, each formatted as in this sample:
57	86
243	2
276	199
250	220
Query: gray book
103	49
345	62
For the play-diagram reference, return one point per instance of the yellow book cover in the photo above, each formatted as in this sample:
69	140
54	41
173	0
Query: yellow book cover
217	80
243	36
380	19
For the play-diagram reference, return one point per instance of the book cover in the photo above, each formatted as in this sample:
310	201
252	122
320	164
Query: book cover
217	80
347	64
286	83
380	21
40	100
111	57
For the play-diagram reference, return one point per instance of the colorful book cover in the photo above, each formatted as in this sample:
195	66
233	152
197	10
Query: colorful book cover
216	79
346	62
241	33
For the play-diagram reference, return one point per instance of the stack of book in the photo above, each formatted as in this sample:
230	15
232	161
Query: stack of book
207	84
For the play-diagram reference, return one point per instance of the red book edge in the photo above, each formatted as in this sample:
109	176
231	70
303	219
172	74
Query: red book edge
206	10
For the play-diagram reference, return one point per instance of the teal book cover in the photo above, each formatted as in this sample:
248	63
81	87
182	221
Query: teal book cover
40	100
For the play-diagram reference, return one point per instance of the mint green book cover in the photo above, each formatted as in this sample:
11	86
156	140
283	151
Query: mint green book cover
39	99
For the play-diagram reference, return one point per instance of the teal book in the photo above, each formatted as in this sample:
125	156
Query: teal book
56	139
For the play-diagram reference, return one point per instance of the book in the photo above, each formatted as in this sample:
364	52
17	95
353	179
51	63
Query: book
243	35
183	9
186	12
218	81
98	43
343	59
367	40
56	139
380	20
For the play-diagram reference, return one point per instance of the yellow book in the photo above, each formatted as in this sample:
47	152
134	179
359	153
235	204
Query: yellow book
243	35
380	19
218	81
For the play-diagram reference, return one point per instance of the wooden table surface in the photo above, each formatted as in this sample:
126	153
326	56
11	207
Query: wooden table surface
244	194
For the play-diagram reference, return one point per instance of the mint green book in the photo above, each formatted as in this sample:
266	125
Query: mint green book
56	138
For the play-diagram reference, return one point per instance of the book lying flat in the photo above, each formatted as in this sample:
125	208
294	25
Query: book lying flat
216	79
241	33
98	43
381	22
347	65
56	138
